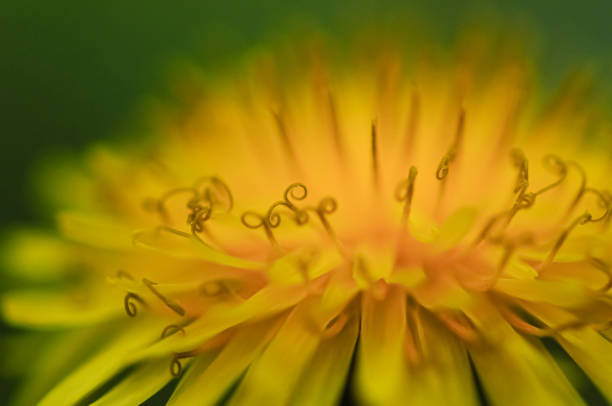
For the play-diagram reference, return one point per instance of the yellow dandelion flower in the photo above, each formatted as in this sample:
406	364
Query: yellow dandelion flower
412	227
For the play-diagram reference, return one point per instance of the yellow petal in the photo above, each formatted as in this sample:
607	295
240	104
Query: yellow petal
232	361
268	301
53	362
96	231
590	349
567	293
376	262
302	265
289	269
381	360
422	228
455	228
36	256
324	262
518	371
340	289
443	376
442	293
141	384
54	309
102	366
407	277
593	353
519	269
185	246
271	379
322	382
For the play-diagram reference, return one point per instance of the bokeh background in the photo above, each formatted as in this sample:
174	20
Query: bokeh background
72	72
75	72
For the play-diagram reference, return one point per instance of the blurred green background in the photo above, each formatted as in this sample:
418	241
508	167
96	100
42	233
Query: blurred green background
74	72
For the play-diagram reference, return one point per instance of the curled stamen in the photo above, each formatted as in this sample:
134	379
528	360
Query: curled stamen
197	217
486	230
172	305
442	170
509	246
404	193
217	191
295	192
526	200
581	220
556	165
328	205
259	222
219	186
608	206
196	220
448	158
583	183
172	329
129	303
522	179
200	204
159	205
176	368
451	154
523	202
603	203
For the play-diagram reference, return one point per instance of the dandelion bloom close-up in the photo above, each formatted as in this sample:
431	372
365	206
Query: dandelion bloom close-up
379	226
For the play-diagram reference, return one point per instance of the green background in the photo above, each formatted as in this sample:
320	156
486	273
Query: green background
73	72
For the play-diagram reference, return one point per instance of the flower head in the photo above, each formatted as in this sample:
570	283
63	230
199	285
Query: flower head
420	220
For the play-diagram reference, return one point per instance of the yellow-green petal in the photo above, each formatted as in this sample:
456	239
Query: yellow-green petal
139	385
519	371
381	361
218	375
54	309
323	380
443	376
272	378
102	366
